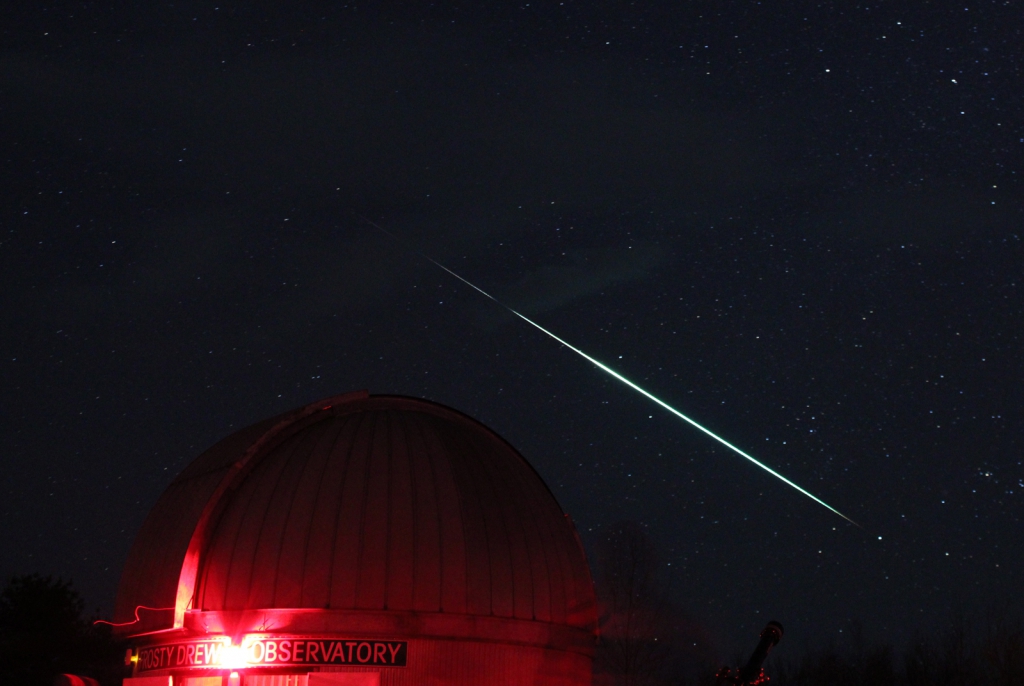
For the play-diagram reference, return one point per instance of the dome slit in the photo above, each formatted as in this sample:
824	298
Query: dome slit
556	568
525	516
402	525
350	511
299	522
354	423
414	507
389	505
263	566
360	529
372	560
455	562
439	561
313	570
242	548
247	538
476	520
502	545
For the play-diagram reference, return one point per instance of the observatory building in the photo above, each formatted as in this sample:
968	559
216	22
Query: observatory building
358	541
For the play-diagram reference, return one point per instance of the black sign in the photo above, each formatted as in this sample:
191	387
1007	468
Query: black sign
178	655
277	652
264	651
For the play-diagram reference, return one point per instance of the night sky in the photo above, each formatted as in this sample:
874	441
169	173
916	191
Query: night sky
798	223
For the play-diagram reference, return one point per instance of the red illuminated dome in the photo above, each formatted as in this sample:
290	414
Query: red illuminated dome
375	518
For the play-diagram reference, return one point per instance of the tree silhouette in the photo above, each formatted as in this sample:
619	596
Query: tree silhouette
43	633
646	640
960	654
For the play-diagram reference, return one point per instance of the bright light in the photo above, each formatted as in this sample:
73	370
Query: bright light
627	382
233	657
233	679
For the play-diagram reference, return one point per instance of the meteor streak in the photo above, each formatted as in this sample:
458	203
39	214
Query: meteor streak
623	379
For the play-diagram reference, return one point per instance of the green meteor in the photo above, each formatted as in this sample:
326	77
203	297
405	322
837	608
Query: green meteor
629	383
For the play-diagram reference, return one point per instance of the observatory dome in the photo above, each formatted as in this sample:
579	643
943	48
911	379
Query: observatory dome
376	520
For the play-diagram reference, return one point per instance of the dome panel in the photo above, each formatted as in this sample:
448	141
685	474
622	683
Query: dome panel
400	555
372	559
361	504
426	512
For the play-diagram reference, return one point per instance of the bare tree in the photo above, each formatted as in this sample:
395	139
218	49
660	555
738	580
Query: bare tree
635	624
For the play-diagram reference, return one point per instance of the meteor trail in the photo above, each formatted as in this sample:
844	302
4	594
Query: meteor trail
621	378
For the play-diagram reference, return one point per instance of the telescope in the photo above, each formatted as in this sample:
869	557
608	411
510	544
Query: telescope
752	673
